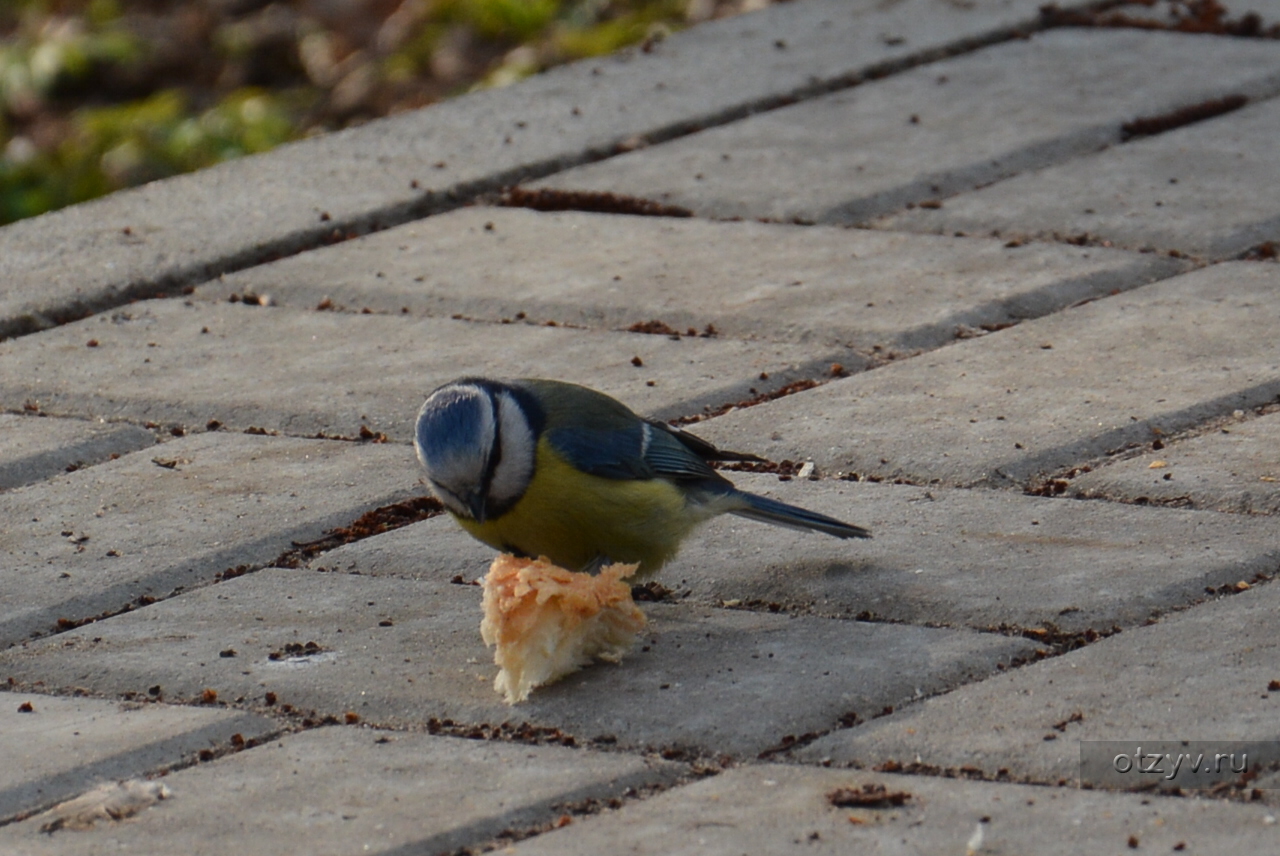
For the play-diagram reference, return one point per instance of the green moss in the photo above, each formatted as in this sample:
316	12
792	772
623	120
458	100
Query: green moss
110	148
507	20
63	140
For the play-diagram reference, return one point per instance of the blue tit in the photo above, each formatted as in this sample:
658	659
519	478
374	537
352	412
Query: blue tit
545	468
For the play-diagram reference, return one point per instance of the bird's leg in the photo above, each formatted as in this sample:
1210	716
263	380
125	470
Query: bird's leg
595	565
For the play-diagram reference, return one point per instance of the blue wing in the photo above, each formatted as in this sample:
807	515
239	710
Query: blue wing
672	458
611	454
646	450
640	450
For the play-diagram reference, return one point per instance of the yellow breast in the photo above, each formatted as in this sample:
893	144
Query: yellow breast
572	517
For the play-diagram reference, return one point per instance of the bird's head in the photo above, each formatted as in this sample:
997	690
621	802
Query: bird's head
477	440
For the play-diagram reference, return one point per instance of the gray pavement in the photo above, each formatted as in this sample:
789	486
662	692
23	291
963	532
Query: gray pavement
747	280
54	745
125	533
780	809
1235	467
402	653
303	371
359	790
1187	190
1046	396
37	448
937	130
1210	666
1059	424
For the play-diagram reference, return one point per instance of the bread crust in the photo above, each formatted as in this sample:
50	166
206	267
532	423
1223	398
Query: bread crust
546	622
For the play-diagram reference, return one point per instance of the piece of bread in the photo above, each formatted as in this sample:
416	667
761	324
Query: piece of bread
548	622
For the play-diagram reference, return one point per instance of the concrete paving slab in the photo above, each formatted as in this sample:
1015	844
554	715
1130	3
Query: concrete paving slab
124	532
1202	674
54	747
1192	190
303	372
355	790
36	448
400	652
188	229
951	557
1042	397
1236	468
778	809
937	130
773	282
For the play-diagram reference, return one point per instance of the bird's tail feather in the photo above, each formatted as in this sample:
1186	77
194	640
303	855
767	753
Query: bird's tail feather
780	514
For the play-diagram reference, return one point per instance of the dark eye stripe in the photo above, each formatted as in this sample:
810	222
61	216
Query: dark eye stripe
495	450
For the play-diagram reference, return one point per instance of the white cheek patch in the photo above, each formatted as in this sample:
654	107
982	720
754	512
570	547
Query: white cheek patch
518	445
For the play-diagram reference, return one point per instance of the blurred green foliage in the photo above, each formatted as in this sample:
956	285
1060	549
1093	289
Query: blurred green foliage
98	95
108	148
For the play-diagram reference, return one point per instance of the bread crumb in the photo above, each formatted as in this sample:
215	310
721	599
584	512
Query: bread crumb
548	622
108	801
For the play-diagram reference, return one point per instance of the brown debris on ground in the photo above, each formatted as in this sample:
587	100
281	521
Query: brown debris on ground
1145	126
550	199
1183	16
872	795
757	398
375	522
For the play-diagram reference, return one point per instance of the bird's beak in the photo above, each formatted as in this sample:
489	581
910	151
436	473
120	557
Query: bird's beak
476	503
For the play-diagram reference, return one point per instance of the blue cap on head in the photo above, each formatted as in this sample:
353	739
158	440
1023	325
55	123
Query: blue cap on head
452	421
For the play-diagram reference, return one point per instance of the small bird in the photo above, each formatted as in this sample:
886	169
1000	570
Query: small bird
547	468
